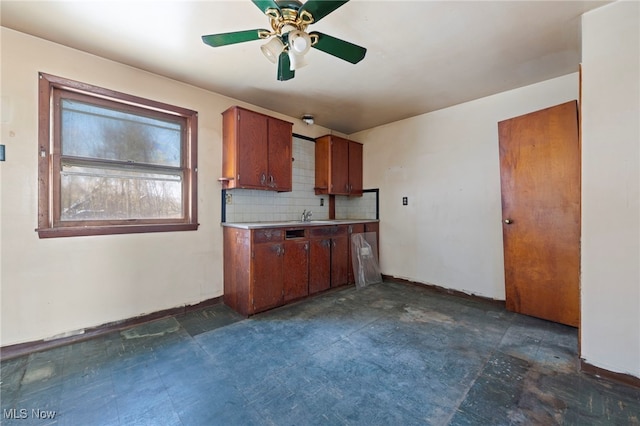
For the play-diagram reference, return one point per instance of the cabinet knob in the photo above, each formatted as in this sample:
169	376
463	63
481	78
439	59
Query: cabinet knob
508	221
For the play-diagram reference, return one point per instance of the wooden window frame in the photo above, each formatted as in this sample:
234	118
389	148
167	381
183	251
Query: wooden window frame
49	223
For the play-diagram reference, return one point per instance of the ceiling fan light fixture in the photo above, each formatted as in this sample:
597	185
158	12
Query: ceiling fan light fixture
272	49
296	61
299	42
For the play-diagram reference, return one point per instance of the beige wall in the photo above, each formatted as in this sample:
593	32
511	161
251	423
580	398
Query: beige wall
60	285
611	188
447	164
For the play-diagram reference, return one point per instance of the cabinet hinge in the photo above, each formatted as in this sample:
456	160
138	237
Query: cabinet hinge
253	254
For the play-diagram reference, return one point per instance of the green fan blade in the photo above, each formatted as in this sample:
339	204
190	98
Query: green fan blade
223	39
339	48
265	5
284	73
321	8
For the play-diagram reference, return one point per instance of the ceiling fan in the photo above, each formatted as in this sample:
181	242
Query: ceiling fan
289	41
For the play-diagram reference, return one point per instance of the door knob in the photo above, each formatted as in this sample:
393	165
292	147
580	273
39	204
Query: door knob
508	221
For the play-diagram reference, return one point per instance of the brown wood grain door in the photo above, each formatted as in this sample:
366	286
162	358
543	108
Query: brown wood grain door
280	156
319	265
339	166
339	261
252	150
355	168
268	269
296	270
540	181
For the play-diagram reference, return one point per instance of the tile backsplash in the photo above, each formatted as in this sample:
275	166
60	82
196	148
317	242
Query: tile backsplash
246	205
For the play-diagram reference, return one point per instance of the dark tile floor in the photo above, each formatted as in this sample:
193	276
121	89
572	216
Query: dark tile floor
389	354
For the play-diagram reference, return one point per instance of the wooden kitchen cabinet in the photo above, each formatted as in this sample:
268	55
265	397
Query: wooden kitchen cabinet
340	260
338	166
319	265
328	257
268	274
267	267
253	269
296	269
256	151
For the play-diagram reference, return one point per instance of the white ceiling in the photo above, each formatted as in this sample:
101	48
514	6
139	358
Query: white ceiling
421	55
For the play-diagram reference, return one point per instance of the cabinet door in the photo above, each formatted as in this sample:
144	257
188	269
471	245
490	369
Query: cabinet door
280	156
296	270
339	261
252	150
339	169
319	265
237	262
355	168
267	276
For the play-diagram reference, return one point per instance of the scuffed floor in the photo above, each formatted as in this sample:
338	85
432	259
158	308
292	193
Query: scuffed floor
390	354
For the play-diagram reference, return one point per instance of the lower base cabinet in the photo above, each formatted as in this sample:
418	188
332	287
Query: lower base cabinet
264	269
319	265
296	270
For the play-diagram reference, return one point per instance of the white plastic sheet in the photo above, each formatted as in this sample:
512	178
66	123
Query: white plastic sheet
364	256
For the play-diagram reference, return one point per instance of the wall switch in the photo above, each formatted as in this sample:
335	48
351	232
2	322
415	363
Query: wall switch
405	201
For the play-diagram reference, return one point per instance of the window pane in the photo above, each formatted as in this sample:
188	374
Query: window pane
92	193
98	132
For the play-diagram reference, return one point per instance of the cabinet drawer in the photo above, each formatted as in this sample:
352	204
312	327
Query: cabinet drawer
267	235
328	231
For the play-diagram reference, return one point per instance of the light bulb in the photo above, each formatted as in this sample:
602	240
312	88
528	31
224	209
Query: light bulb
299	44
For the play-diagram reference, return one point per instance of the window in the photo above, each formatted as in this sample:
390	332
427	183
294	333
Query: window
111	163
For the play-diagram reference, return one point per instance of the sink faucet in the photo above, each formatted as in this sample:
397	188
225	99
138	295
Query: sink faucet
306	215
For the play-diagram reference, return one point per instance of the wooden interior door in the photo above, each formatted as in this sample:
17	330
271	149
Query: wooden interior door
540	180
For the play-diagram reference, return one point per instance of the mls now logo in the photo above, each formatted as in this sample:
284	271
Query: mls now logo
23	413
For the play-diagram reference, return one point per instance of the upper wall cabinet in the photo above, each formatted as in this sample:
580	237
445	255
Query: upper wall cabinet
256	151
338	166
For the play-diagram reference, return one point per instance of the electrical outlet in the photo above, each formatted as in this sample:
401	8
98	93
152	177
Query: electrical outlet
228	198
405	201
321	201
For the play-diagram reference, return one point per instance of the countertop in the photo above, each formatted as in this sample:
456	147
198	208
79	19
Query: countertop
295	223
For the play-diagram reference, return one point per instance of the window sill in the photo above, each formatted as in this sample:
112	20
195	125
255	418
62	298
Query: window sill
79	231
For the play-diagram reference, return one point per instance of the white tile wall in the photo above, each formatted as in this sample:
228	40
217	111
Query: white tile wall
246	205
356	207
